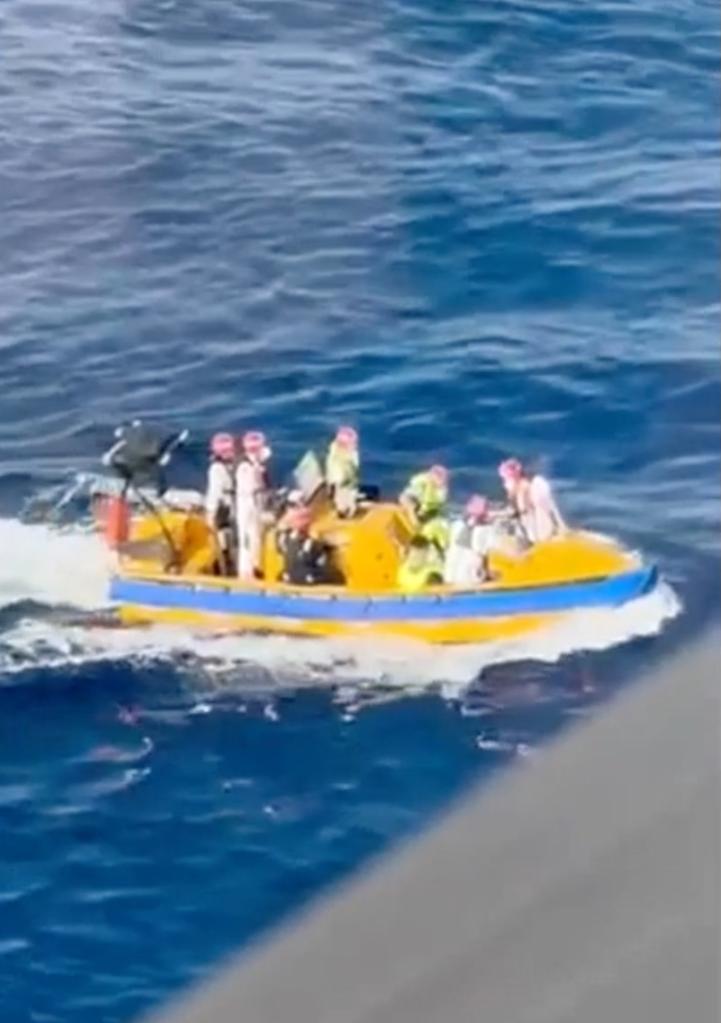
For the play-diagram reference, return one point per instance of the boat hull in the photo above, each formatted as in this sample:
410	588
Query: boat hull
485	614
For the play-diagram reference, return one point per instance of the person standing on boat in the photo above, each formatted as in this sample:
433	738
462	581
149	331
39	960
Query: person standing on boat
342	466
470	542
220	498
252	484
531	499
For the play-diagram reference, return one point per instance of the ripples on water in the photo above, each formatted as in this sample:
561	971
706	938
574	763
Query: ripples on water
469	232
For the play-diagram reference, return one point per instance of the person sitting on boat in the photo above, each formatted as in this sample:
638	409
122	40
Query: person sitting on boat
306	561
342	471
421	567
220	498
251	497
531	499
470	543
426	494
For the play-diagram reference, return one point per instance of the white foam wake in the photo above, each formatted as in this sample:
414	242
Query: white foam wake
69	568
51	567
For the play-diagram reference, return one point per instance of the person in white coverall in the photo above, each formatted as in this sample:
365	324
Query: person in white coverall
531	498
220	498
251	490
470	542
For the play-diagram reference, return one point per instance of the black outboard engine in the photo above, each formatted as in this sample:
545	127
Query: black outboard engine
140	454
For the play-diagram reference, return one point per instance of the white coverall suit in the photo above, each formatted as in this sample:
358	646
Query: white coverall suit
540	517
468	547
249	494
219	491
219	509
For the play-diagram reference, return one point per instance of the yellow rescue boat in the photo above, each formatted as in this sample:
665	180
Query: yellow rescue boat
165	573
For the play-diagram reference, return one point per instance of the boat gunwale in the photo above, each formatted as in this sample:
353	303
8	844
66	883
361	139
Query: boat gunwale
610	590
433	593
437	593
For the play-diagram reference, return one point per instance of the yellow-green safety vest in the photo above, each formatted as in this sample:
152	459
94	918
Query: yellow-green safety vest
412	578
437	531
341	466
430	495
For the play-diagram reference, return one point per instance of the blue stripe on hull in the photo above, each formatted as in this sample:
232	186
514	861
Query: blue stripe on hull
607	592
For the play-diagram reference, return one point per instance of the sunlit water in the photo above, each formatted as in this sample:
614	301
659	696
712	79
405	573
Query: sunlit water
469	233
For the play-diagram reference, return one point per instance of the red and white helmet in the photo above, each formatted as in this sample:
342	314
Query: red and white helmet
347	437
510	469
439	474
254	444
477	508
222	446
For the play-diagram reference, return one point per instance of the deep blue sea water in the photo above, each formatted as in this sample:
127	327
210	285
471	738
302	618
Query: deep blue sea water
470	229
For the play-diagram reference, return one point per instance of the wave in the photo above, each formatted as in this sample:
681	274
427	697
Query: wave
51	567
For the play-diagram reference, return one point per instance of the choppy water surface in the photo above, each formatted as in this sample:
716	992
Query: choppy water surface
470	231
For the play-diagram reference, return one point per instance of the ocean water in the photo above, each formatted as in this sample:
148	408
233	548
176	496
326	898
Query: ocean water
472	230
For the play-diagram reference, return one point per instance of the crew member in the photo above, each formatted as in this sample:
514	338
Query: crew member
421	567
306	561
342	466
426	494
531	500
251	497
220	498
470	543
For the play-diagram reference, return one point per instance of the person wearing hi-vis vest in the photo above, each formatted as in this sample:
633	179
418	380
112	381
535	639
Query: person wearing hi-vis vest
424	501
426	494
342	466
421	567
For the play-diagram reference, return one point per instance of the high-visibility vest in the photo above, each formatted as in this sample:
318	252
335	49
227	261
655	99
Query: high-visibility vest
429	495
413	577
341	466
436	530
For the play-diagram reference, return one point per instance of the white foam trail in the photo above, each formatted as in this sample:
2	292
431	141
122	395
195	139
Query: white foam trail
268	662
70	568
586	630
51	567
